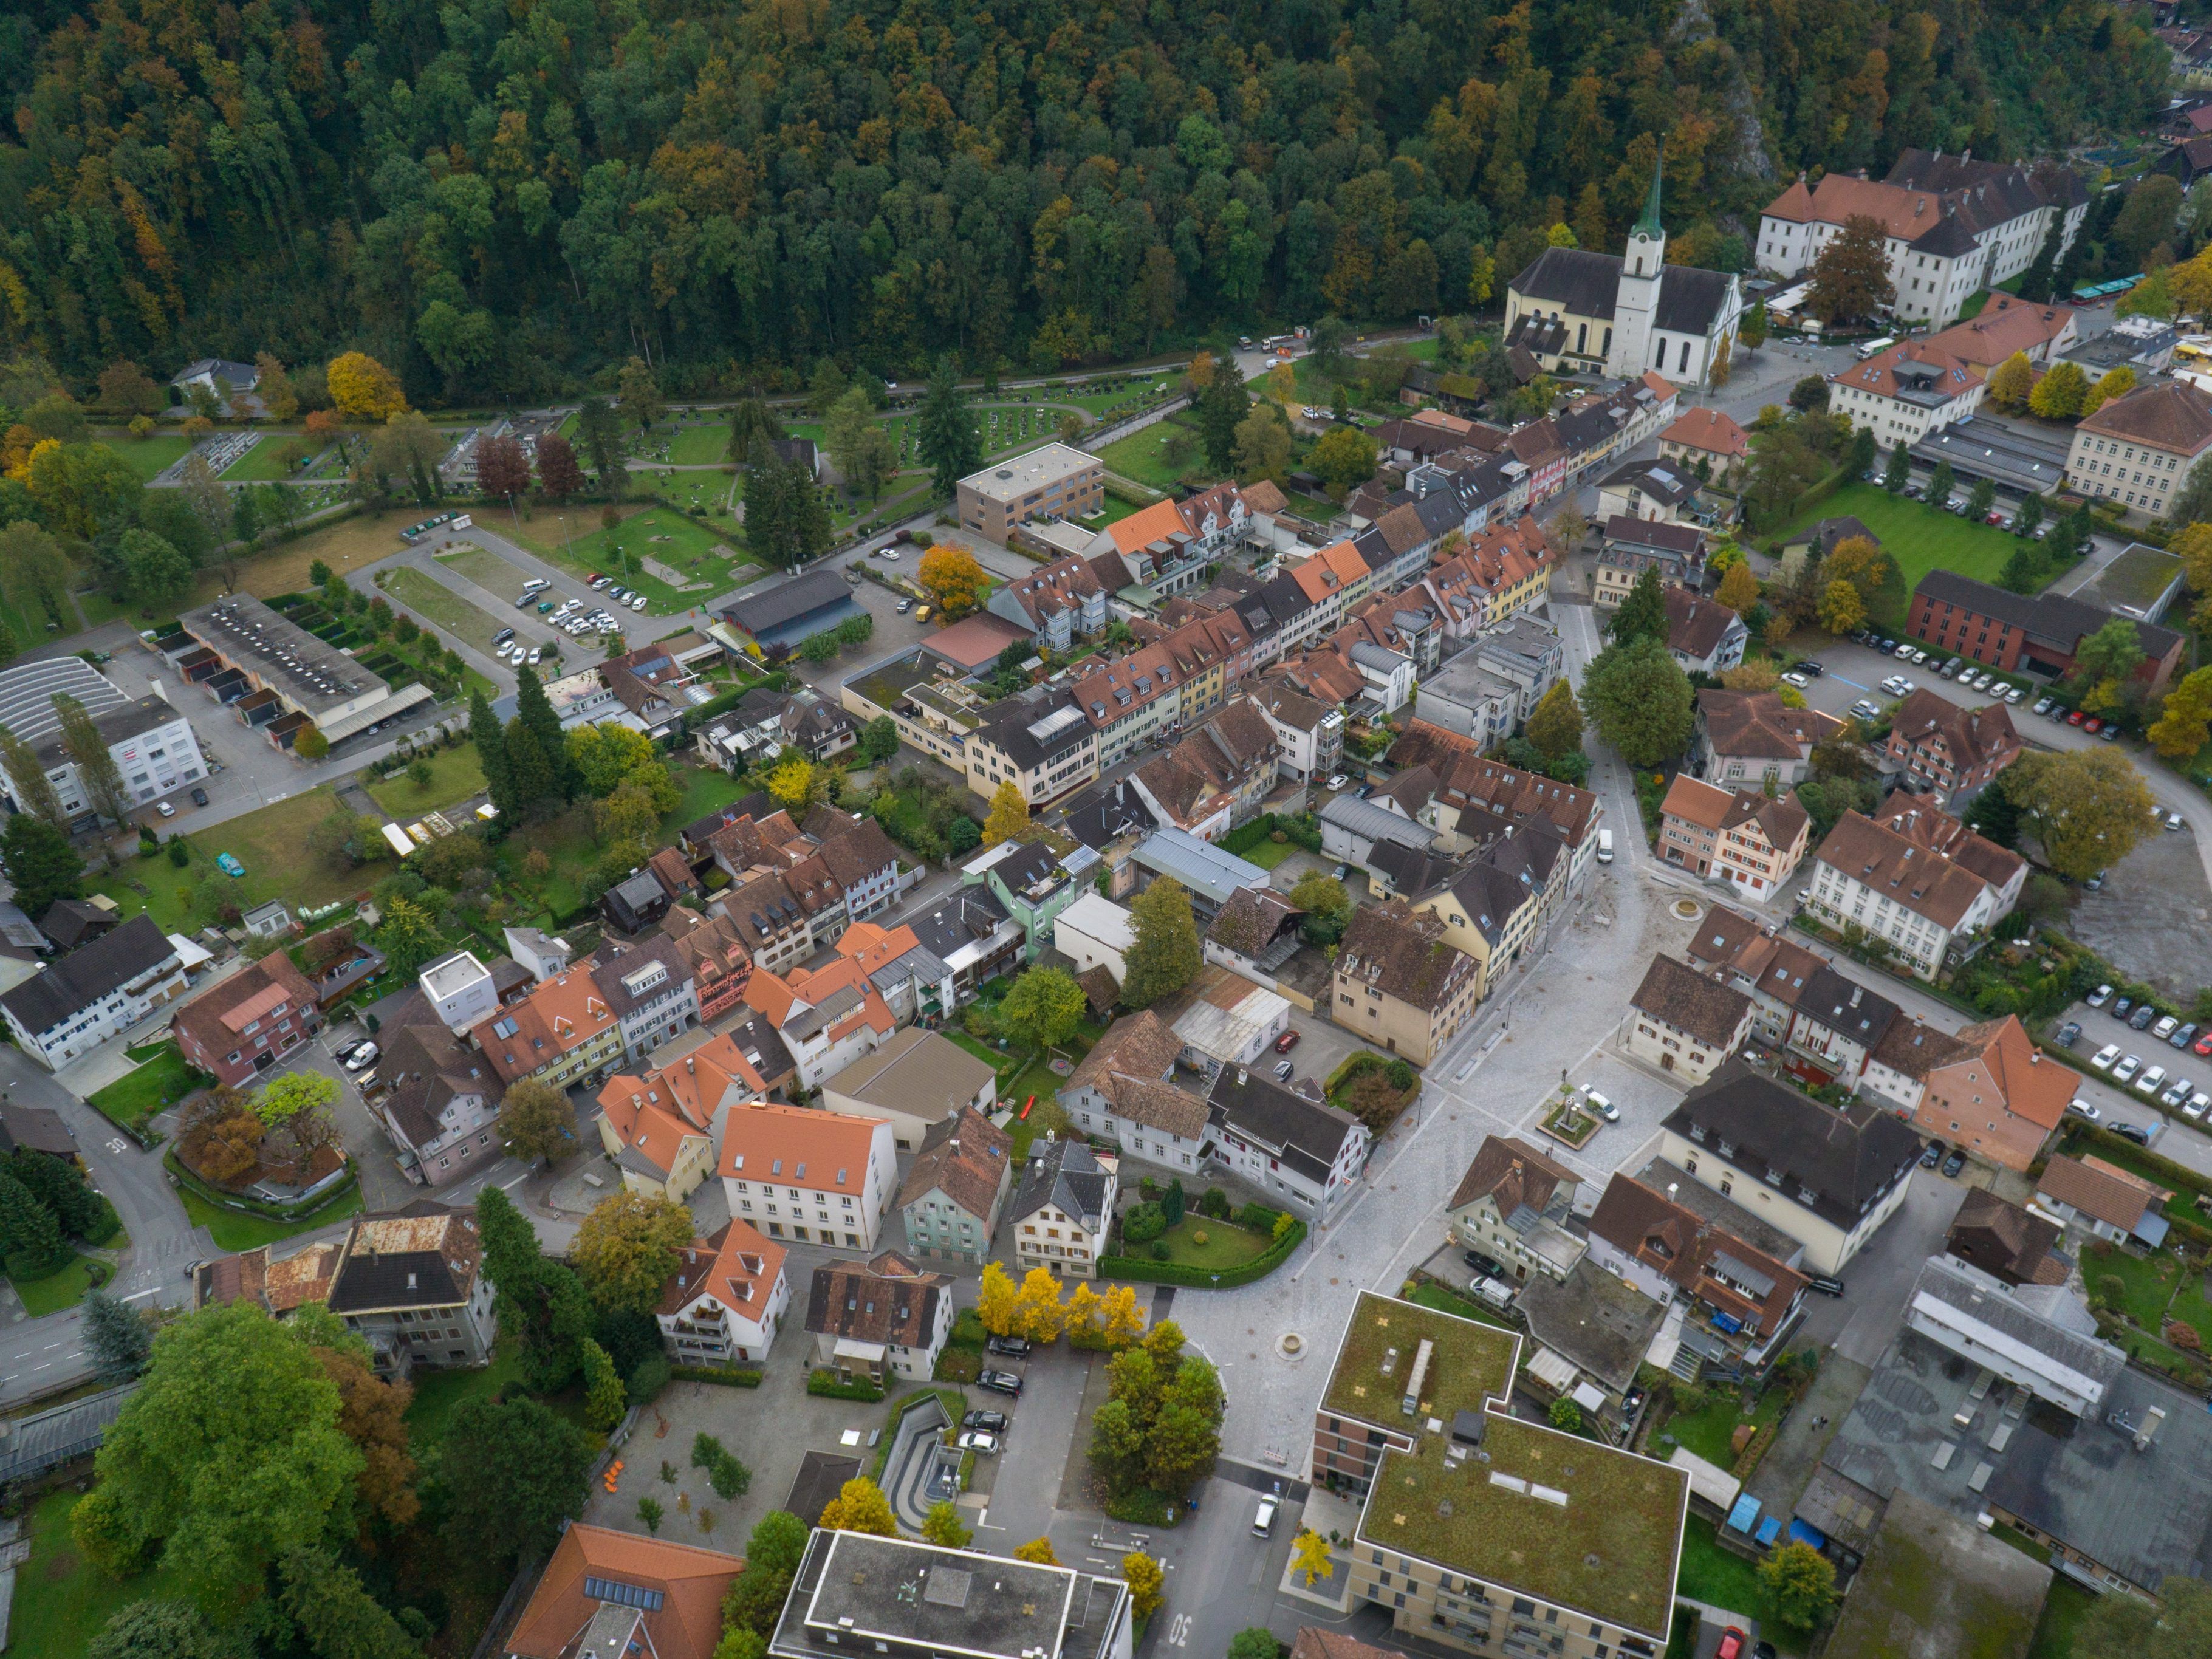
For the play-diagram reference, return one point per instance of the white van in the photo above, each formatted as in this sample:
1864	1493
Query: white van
1496	1292
1875	348
1605	847
1263	1521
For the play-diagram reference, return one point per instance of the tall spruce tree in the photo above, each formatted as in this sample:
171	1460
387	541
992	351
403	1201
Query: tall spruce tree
28	781
530	775
40	862
103	779
30	1236
947	434
532	709
491	756
600	435
1642	614
117	1336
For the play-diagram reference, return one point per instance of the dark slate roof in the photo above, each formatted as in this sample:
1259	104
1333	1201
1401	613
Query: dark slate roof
1305	1136
1846	1159
964	917
1946	239
1105	812
2061	622
370	1278
1029	863
1574	279
1846	1008
817	590
1065	1175
69	922
67	988
1689	299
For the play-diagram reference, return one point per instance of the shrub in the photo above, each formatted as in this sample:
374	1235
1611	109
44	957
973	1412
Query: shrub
1215	1203
1401	1075
1160	1251
2111	1293
1144	1223
651	1376
825	1385
1258	1218
1198	1236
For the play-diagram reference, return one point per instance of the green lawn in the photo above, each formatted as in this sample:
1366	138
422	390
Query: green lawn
149	456
260	465
485	568
705	789
268	843
433	601
1709	1573
701	446
159	1084
666	537
1226	1245
440	1394
62	1601
1267	854
1920	537
233	1232
455	774
2064	1611
1144	456
57	1291
1708	1432
2150	1280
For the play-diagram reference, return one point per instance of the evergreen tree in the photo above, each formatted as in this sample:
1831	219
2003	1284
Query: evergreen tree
62	1189
28	783
600	435
1901	469
491	757
116	1337
2038	282
532	709
1941	482
40	862
335	1612
30	1236
751	422
1222	407
945	432
1642	614
529	774
604	1398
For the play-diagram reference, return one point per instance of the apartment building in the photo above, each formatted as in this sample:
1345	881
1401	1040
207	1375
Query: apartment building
1754	738
1398	985
826	1017
411	1284
809	1176
1912	885
659	1127
1125	1091
1947	750
727	1300
1040	740
1682	1021
1305	1154
1481	1530
237	1029
1828	1178
2137	449
150	744
1054	481
1744	836
950	1198
2035	634
563	1033
1904	393
1062	1209
1632	546
1056	604
877	1320
1986	1088
1512	1204
1703	636
1738	1289
75	1002
1032	883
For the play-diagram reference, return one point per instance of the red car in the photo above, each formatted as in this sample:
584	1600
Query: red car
2204	1044
1994	517
2093	725
1284	1043
1732	1644
2074	718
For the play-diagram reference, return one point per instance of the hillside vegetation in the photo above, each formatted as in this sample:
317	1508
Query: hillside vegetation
499	197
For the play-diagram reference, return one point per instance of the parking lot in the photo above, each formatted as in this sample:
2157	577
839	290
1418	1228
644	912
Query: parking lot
2177	1136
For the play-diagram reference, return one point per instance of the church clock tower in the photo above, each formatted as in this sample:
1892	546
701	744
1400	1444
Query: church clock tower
1638	300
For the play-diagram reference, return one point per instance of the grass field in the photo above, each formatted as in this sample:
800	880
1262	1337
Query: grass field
484	567
345	546
1226	1245
234	1231
706	445
55	1291
1145	456
2063	1612
455	776
440	1394
269	844
666	537
1710	1432
260	465
153	1087
61	1599
1708	1573
149	456
1920	537
432	600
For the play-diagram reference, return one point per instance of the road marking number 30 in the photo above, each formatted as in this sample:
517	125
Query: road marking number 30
1179	1630
118	1145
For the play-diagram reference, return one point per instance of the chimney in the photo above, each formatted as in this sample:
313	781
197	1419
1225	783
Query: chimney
1857	991
1243	1078
2149	1433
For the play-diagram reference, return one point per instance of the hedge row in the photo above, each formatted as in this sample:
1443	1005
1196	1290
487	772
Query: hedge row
1178	1273
728	1376
826	1385
297	1210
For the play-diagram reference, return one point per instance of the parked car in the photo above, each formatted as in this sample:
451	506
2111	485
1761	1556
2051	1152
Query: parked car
164	809
2128	1066
2176	1094
983	1444
1482	1263
1735	1644
2084	1109
2103	1059
1283	1070
1954	1164
1288	1041
2194	1111
2093	725
2069	1033
1336	781
364	1056
2100	996
1014	1348
2164	1028
1810	666
995	1422
2075	718
1932	1154
1796	679
2203	1045
2184	1036
2151	1080
2123	1008
2042	706
199	796
1823	1284
905	605
229	865
2173	820
2134	1131
1604	1107
1008	1382
1263	1518
2140	1020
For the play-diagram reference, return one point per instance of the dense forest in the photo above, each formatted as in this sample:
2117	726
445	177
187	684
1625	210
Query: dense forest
503	197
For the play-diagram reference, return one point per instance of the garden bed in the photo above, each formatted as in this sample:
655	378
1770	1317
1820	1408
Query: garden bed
1570	1125
1373	1090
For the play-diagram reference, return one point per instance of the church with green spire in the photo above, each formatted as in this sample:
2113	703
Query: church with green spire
1575	311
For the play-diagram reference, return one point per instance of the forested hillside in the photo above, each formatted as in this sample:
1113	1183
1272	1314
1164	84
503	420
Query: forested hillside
499	197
